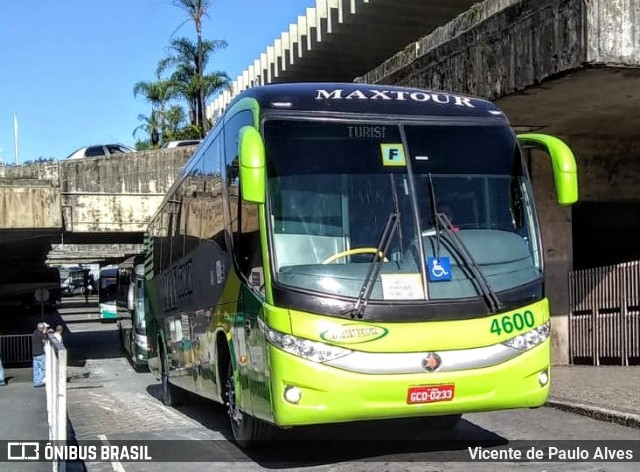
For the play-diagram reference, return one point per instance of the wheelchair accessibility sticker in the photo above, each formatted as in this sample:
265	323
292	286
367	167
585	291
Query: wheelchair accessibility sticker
439	269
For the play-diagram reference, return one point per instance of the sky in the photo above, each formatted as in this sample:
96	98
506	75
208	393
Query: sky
68	67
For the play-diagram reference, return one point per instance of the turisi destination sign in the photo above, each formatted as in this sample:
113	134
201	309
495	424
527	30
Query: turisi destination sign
397	95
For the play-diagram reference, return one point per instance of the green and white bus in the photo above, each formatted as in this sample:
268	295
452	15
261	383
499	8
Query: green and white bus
131	307
344	252
107	291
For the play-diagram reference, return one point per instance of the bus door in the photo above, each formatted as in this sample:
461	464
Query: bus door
248	253
258	365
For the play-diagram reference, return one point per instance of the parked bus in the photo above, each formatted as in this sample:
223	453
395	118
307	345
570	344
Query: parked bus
343	252
130	303
107	289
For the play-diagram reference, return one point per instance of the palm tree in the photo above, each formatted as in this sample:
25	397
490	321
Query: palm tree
197	10
188	58
151	126
174	120
157	93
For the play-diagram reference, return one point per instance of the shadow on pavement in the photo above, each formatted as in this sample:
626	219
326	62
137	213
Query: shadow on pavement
92	345
404	440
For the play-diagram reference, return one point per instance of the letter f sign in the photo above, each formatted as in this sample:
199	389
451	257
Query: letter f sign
393	155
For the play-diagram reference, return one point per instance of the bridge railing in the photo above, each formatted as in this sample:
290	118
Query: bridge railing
15	348
56	387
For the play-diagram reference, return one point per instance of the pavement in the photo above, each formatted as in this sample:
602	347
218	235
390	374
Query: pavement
607	393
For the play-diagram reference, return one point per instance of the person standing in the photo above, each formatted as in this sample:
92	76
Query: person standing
37	352
2	381
58	332
86	285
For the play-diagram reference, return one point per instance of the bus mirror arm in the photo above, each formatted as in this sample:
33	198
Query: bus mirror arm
252	165
563	162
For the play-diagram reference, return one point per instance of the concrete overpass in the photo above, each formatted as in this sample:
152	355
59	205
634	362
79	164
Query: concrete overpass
337	40
79	211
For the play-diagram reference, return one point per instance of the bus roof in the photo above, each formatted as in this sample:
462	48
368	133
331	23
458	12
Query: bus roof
368	99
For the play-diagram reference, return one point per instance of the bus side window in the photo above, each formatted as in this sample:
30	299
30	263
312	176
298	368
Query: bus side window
212	200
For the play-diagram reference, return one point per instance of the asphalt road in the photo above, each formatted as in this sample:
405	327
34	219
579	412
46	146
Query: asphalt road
108	401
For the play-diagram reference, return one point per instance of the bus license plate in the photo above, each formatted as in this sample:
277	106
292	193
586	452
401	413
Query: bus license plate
430	394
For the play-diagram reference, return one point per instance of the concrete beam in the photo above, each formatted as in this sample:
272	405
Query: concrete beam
62	254
356	33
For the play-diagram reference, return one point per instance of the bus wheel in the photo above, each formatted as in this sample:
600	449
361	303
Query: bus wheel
247	430
442	423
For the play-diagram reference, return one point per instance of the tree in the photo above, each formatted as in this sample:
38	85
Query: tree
185	57
174	120
151	126
197	10
157	93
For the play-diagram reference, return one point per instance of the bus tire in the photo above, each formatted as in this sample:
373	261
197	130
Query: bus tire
443	423
248	432
171	395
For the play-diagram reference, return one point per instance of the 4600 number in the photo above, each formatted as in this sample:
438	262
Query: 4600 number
517	322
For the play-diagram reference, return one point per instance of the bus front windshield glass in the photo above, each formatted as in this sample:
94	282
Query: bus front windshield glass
334	187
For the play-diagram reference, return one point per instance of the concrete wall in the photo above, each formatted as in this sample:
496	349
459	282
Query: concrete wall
613	32
43	172
555	229
118	194
105	194
495	48
29	205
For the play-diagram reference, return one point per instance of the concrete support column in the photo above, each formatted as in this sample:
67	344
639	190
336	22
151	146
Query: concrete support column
555	228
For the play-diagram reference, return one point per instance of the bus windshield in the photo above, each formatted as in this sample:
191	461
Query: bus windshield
333	186
108	285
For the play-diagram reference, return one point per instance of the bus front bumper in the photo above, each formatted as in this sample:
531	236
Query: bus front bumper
331	395
108	312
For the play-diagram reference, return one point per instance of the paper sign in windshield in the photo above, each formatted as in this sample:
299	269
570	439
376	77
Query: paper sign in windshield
402	287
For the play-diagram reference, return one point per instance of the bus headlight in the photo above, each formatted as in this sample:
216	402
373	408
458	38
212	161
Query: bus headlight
530	339
311	350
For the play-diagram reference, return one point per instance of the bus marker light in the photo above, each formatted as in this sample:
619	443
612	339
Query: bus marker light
543	378
292	394
243	360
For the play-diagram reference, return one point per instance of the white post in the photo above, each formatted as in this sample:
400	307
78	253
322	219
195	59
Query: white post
56	388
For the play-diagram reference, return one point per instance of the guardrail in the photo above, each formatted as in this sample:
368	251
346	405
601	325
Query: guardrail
604	318
56	387
15	348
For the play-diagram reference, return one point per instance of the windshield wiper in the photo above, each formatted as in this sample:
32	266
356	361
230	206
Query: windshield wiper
374	268
442	220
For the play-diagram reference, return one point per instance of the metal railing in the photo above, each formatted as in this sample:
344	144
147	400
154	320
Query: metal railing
604	317
56	387
15	348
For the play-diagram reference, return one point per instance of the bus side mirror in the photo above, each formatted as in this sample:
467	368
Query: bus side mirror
565	171
252	165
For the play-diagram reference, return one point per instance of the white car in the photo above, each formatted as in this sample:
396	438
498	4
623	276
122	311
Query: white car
184	142
100	151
